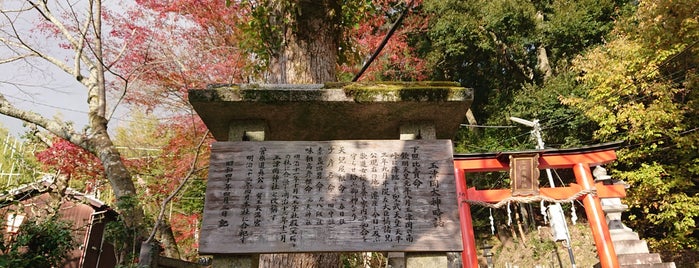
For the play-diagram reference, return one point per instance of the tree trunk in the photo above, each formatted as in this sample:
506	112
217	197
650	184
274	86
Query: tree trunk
542	58
543	62
302	260
309	48
120	180
56	195
308	54
167	239
100	144
471	118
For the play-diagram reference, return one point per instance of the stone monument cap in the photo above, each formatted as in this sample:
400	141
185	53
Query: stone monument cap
333	111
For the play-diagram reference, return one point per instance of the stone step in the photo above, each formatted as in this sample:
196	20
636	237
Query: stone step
630	246
652	265
623	234
614	208
639	258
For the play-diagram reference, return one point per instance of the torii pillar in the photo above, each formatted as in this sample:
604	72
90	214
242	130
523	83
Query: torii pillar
580	160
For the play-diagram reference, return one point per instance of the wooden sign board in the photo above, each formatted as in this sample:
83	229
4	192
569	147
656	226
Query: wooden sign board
299	196
524	174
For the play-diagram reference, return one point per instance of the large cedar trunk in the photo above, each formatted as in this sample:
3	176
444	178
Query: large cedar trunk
320	260
309	47
308	55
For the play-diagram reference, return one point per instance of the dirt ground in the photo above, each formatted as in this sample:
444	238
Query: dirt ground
537	249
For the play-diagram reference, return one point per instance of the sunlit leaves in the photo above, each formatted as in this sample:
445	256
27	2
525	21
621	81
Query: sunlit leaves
627	97
641	88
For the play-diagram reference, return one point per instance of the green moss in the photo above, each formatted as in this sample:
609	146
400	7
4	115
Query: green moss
365	94
425	94
282	95
391	83
402	91
359	92
259	95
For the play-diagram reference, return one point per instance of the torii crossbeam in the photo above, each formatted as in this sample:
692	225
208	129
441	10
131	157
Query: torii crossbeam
579	159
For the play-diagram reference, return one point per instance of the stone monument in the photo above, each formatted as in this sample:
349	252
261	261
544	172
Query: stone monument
332	167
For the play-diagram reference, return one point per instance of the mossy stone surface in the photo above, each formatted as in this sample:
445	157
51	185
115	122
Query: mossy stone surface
334	111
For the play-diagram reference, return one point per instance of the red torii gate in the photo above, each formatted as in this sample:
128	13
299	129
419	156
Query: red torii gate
580	160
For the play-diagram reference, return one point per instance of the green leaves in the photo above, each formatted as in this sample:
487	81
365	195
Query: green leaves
625	94
39	244
635	90
572	26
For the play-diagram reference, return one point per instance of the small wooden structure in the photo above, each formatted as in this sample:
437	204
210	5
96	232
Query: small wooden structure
281	196
87	215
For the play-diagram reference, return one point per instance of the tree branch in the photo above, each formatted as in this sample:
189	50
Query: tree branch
79	49
192	171
524	71
24	46
8	60
43	9
54	126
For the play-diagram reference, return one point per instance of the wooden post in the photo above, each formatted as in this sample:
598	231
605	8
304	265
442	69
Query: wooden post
595	215
469	256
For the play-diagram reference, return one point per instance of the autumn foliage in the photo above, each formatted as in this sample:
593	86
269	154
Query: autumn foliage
74	162
399	59
174	46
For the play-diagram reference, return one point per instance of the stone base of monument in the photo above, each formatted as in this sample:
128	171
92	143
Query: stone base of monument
630	249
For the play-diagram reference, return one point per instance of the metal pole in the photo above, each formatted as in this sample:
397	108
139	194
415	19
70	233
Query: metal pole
570	253
540	144
536	131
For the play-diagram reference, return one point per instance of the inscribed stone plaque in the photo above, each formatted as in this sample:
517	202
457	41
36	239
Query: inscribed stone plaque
299	196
